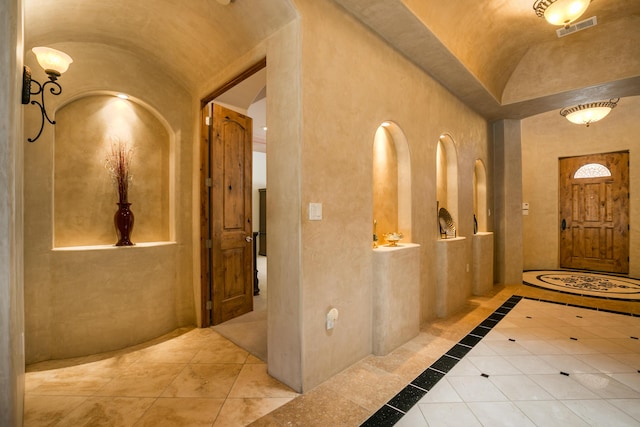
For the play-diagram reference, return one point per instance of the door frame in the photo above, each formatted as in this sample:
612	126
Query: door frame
206	277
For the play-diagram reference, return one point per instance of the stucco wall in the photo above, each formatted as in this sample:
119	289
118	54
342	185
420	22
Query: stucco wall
73	296
548	137
351	83
11	224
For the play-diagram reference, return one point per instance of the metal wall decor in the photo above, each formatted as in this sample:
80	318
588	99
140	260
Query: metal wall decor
447	226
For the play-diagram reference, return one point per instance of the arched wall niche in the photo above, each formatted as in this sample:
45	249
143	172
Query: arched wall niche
447	175
391	181
84	199
480	194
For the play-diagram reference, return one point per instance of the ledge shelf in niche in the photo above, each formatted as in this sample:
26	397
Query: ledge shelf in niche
399	246
110	247
452	239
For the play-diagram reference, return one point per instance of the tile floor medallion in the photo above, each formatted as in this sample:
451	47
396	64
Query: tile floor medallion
588	284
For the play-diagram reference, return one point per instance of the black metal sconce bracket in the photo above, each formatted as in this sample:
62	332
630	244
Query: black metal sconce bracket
27	93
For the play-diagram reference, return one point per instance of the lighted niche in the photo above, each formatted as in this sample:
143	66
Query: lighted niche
480	196
447	176
84	195
391	182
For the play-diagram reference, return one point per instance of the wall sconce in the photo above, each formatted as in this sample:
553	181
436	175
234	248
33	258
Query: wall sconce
560	12
54	63
585	114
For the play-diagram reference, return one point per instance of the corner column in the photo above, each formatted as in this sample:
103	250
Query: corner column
507	150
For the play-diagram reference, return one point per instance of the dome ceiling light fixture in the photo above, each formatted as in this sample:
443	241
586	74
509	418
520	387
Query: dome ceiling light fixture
54	63
560	12
585	114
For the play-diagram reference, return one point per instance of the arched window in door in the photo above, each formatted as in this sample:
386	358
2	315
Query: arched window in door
592	170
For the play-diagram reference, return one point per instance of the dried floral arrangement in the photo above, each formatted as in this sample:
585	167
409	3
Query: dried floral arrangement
118	163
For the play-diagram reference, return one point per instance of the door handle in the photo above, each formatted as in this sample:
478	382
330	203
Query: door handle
248	239
564	224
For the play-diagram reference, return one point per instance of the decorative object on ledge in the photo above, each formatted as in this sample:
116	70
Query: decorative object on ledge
375	235
585	114
393	238
118	163
560	12
54	63
447	227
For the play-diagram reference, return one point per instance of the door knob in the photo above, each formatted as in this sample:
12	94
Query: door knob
248	239
564	224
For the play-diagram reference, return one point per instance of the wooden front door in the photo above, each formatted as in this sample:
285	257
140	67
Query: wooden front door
594	212
230	229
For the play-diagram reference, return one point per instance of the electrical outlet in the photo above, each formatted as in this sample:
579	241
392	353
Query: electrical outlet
332	317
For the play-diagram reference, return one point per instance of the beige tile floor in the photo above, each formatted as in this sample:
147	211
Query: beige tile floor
189	378
545	365
195	377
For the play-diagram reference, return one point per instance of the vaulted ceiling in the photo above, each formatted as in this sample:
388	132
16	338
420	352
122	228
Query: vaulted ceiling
503	60
495	55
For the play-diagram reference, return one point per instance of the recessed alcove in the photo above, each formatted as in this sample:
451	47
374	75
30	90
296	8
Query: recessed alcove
396	269
482	242
391	182
453	283
480	195
447	176
84	196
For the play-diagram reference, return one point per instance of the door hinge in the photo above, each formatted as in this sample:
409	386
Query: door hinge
208	305
209	243
208	182
208	120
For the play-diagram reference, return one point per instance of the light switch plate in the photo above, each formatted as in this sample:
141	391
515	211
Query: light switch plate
315	211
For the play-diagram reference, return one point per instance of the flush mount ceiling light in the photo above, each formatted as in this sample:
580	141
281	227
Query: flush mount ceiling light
585	114
54	63
560	12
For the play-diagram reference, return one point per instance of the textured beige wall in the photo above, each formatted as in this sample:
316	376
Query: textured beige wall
84	195
396	310
547	137
284	210
352	82
11	224
453	283
100	284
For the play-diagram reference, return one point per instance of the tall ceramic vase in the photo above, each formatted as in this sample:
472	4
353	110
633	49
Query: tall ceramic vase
123	220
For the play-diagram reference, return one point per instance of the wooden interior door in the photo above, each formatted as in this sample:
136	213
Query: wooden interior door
594	214
230	215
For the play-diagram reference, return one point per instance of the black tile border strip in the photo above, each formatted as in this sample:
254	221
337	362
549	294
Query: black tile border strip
401	403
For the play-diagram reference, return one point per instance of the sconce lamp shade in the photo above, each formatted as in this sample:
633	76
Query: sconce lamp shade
560	12
585	114
53	61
